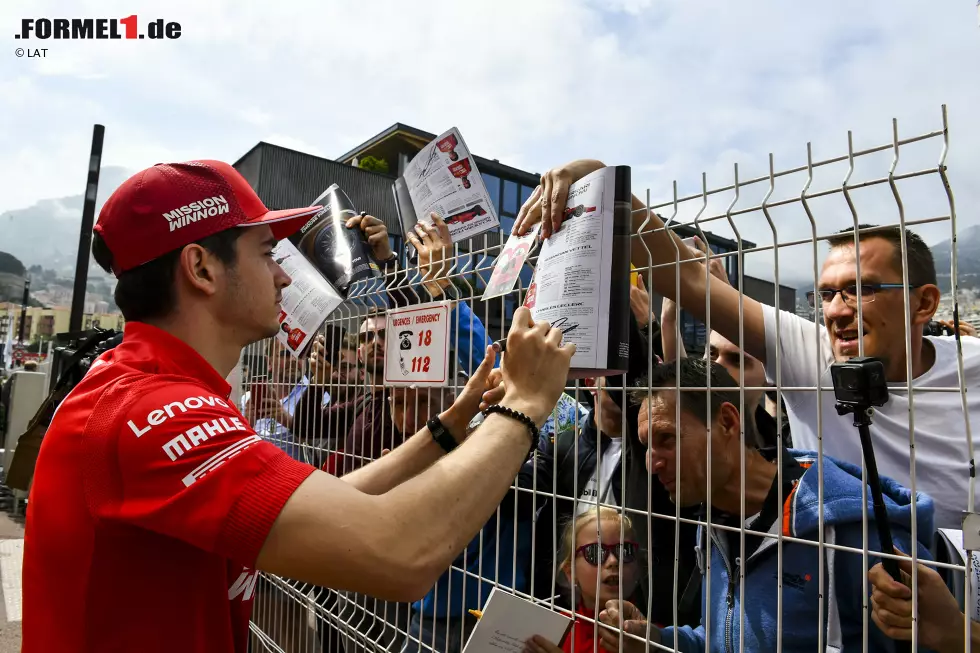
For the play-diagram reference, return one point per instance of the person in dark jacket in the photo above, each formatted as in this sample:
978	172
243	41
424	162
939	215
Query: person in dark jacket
569	473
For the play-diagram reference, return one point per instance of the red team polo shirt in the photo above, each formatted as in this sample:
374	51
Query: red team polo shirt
152	498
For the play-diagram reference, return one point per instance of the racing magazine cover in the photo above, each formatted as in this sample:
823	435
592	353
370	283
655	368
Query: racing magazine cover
324	259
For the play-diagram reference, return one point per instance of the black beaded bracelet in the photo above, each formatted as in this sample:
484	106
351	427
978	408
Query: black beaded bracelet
520	417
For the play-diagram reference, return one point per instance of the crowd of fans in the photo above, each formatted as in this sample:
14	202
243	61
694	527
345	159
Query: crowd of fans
653	509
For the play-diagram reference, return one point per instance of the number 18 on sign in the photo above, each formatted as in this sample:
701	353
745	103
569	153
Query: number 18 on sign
417	346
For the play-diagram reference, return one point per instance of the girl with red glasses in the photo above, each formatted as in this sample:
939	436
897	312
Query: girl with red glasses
593	546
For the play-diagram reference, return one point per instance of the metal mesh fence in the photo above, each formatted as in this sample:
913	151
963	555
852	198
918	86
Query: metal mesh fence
789	584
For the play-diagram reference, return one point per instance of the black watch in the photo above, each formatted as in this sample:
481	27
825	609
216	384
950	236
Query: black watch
441	434
388	262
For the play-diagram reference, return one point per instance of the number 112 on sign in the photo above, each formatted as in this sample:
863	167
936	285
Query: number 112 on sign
417	346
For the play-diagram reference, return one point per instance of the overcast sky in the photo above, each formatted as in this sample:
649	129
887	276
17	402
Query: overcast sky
673	88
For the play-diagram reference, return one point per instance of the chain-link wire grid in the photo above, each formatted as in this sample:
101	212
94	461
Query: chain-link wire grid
797	210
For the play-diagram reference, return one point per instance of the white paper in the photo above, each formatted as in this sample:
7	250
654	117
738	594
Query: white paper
574	269
507	268
417	346
306	302
443	179
972	604
509	621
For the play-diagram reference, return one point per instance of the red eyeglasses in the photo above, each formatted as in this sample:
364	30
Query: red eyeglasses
625	551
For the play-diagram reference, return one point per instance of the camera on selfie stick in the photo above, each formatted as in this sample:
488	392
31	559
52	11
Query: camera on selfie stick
860	386
936	328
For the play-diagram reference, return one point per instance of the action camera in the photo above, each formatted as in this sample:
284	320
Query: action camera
860	382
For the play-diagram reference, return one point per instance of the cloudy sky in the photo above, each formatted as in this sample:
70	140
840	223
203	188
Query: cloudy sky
673	88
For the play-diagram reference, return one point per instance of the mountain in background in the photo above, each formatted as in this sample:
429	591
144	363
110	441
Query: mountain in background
967	259
46	234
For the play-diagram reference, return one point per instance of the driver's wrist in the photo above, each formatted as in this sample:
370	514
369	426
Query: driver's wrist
456	422
536	410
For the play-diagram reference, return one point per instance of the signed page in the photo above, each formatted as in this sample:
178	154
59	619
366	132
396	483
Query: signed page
581	282
443	179
509	621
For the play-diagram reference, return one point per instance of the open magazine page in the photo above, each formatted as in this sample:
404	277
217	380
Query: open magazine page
341	254
443	179
306	302
571	281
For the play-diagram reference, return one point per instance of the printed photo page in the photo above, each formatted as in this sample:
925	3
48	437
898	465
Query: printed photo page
306	302
443	179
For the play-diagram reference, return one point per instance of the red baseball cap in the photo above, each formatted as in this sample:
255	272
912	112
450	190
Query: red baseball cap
170	205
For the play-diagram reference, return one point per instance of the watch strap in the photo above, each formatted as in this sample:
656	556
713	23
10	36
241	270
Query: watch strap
441	434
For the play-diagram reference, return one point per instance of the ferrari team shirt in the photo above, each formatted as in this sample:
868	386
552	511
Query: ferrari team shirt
152	498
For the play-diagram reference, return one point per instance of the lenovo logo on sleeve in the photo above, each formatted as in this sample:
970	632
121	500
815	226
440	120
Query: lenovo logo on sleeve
161	415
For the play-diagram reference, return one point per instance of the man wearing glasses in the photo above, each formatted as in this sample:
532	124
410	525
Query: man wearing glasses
752	583
803	351
942	454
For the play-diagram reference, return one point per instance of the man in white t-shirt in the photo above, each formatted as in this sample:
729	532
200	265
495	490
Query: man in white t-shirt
800	354
803	353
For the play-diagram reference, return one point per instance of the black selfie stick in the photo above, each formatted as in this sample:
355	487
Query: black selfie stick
862	420
859	386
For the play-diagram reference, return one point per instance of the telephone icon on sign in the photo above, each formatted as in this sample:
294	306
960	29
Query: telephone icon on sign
404	345
406	337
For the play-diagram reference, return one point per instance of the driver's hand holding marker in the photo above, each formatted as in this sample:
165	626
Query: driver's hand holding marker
501	345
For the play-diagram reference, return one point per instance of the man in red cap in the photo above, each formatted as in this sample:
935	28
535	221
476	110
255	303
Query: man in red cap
154	503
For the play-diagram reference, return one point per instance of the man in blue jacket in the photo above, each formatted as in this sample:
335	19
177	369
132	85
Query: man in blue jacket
733	613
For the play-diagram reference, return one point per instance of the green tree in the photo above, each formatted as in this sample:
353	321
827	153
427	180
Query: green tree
373	164
10	263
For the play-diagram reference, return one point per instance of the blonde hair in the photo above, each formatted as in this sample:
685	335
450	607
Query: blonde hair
595	515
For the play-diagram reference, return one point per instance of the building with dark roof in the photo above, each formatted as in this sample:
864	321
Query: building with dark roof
286	178
508	187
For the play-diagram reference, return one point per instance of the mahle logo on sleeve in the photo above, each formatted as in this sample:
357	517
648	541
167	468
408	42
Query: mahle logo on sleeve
200	210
